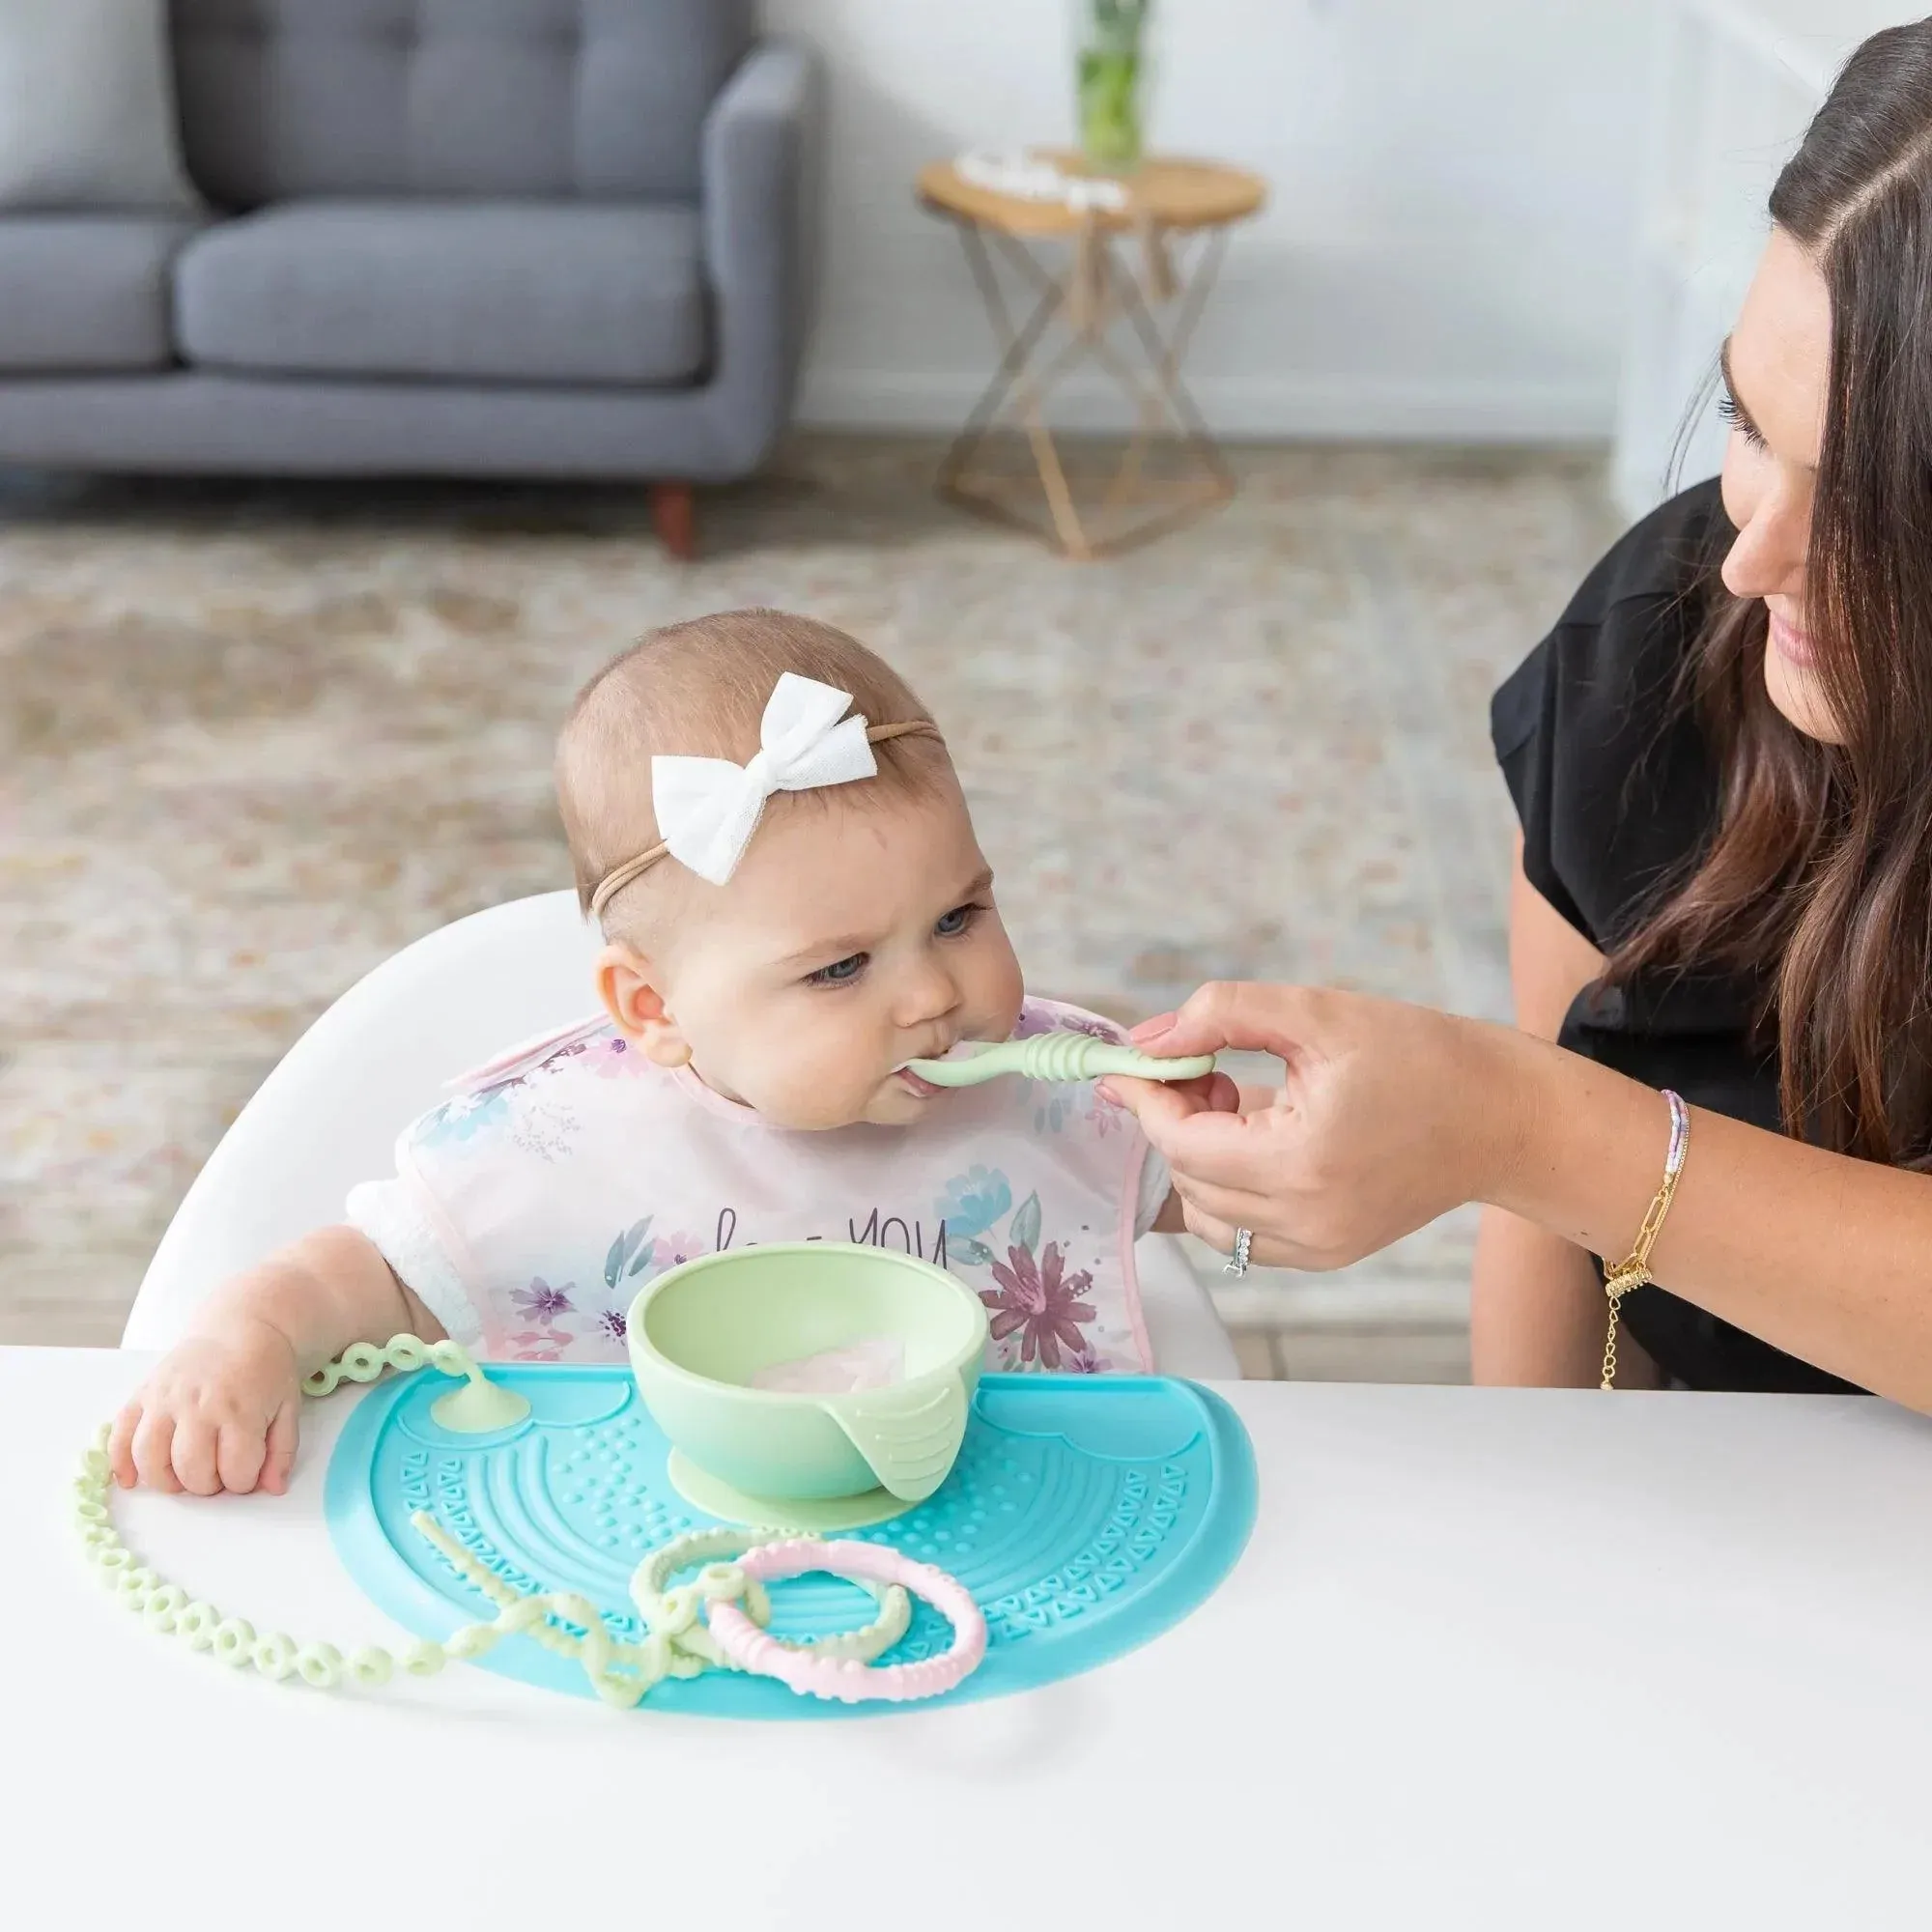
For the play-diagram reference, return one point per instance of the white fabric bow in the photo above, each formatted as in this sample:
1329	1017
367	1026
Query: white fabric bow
707	808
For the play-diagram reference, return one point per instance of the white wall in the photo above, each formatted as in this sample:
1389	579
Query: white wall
1734	84
1445	252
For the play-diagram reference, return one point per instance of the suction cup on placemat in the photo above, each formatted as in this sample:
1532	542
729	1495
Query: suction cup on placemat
719	1498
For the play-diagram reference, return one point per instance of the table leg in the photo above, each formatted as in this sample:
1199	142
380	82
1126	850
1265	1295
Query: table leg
1165	353
1096	291
1016	347
672	513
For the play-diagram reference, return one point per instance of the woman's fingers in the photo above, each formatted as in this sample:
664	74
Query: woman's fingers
280	1455
1178	1099
1255	1183
1264	1252
1375	1130
1204	1227
1233	1014
1211	1094
1237	1206
152	1449
1249	1151
1217	1093
1149	1100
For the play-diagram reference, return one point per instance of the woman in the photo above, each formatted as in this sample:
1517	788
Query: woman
1722	758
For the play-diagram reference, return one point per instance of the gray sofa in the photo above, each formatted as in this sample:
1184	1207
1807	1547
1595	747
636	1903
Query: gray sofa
478	238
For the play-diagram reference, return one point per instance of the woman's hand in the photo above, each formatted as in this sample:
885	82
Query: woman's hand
1387	1116
217	1413
1390	1115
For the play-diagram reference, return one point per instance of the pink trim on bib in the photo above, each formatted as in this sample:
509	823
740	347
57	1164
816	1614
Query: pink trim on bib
1130	1274
528	1053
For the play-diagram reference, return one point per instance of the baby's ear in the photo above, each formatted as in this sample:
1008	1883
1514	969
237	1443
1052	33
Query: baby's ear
626	985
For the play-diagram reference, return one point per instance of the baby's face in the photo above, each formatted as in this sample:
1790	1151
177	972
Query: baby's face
850	940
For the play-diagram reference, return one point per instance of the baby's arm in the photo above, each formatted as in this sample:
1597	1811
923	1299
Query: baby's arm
220	1410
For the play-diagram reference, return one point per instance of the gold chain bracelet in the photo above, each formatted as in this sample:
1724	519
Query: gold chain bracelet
1634	1272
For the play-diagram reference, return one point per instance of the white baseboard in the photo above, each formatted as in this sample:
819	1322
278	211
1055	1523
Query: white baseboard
1368	1297
1366	1305
1259	409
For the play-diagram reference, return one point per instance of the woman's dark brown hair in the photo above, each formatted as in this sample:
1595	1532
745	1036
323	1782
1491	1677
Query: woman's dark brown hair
1820	873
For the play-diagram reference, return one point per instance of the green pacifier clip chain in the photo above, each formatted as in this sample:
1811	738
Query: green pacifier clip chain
679	1645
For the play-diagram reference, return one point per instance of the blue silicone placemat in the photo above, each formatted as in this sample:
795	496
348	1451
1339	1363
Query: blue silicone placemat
1086	1515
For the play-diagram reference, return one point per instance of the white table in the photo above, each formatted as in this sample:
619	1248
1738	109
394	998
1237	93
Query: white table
1494	1660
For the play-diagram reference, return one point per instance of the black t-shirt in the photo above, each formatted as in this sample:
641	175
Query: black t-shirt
1616	786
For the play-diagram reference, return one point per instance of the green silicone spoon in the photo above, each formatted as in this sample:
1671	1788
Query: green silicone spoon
1058	1057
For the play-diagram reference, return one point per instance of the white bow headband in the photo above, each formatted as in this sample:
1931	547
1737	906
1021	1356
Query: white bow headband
707	808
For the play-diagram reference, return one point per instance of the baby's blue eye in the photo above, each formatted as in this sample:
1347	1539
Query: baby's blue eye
951	924
839	971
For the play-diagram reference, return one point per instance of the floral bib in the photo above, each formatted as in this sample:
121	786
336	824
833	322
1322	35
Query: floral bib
561	1179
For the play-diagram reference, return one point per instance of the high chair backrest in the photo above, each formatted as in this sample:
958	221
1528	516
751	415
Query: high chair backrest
328	1116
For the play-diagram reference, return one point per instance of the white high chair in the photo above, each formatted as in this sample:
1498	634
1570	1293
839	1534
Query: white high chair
327	1116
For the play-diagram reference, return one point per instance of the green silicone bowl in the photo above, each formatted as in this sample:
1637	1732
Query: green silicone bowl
779	1459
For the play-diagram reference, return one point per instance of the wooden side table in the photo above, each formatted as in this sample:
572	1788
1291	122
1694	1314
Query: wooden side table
1125	297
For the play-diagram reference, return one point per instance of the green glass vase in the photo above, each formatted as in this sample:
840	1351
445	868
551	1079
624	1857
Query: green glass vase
1112	72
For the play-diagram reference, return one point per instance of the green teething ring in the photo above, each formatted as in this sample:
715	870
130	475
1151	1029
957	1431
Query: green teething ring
674	1612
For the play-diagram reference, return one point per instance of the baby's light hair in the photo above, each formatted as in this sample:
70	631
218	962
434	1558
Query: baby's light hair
698	689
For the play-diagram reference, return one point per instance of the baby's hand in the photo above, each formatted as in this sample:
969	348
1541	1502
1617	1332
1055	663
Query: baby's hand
217	1413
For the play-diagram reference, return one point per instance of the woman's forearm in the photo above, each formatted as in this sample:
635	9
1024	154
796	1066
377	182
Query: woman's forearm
1536	1308
1827	1258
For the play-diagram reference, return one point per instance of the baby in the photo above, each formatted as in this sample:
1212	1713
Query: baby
768	827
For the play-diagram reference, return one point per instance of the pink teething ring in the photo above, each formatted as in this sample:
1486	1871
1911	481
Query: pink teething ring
845	1679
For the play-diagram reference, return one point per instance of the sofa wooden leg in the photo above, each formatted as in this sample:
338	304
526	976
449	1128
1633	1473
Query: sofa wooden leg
672	514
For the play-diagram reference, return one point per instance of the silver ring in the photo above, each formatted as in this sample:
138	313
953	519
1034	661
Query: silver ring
1238	1262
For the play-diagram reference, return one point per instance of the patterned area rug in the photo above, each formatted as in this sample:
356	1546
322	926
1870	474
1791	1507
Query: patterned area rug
256	739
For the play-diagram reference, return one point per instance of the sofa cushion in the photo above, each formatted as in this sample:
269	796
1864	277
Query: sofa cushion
546	98
87	107
86	292
516	292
